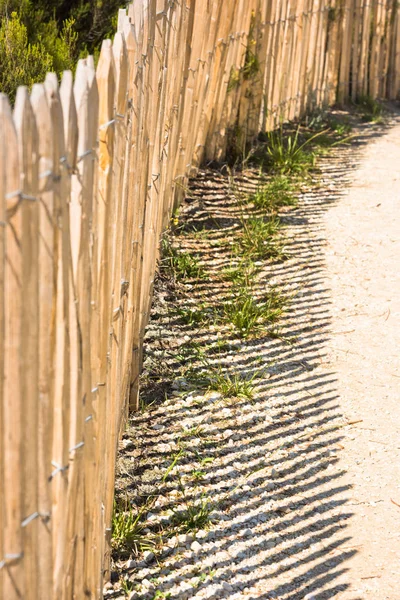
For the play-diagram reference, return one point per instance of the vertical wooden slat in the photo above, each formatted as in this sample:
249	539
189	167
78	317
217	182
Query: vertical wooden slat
73	570
105	213
3	224
47	314
28	155
61	420
13	568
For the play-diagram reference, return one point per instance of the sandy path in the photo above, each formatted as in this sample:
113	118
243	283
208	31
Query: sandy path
363	271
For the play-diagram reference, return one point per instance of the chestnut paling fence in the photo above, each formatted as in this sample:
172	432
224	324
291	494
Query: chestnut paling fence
90	171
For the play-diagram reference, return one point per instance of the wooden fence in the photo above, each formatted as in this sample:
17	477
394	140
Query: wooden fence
90	171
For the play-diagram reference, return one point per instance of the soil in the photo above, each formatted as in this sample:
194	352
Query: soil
302	482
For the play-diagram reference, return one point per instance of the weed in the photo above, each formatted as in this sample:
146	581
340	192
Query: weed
198	475
197	432
288	154
207	460
371	110
341	128
179	265
234	79
232	386
242	274
161	595
209	574
260	239
273	195
251	317
193	316
127	586
251	63
128	535
175	460
196	516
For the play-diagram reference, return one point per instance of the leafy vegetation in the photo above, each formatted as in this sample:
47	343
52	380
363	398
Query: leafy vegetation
196	516
261	239
371	110
250	316
232	385
179	265
128	535
37	36
274	194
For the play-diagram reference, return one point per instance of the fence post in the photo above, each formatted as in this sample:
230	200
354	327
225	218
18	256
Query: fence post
28	156
12	557
47	314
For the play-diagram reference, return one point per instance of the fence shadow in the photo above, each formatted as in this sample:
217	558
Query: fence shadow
270	468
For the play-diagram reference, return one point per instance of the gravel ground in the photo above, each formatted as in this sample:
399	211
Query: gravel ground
267	472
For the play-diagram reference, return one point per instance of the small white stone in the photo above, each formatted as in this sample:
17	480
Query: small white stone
247	533
146	583
149	556
195	546
201	534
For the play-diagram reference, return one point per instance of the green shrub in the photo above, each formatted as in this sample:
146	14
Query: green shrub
21	63
38	36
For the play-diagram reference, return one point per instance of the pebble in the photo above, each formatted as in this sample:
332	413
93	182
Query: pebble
130	564
185	538
149	556
247	533
195	546
201	534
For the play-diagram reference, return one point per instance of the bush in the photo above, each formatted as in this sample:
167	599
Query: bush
21	63
37	36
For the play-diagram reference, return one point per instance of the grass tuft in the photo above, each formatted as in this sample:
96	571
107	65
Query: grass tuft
232	386
193	315
273	195
250	316
260	239
179	265
196	516
288	154
128	536
370	109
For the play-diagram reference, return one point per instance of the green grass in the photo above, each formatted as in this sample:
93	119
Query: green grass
128	537
196	516
287	154
261	239
251	316
196	315
371	110
179	265
127	586
242	274
198	475
273	195
232	386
